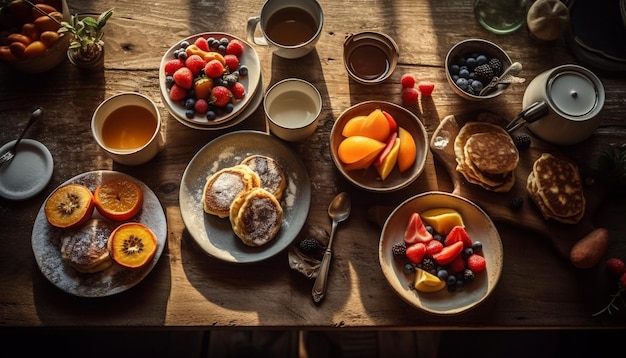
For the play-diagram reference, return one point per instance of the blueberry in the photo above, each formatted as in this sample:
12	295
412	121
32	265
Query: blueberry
169	81
190	113
471	62
454	69
477	246
228	108
481	60
477	86
221	48
184	44
439	237
460	61
211	115
455	77
451	280
190	103
430	229
182	55
442	274
467	252
408	269
243	70
224	41
464	73
462	83
459	284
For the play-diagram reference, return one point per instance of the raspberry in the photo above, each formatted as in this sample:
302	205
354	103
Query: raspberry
172	65
234	47
399	249
238	90
195	63
183	77
410	96
407	81
522	141
201	106
457	265
415	253
202	44
214	69
232	62
476	263
615	266
426	88
220	96
177	93
433	247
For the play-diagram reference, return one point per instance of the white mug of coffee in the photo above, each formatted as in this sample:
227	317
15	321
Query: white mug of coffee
291	28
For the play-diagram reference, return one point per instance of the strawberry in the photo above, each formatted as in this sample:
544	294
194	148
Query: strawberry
458	233
448	253
416	231
183	77
238	90
426	88
214	69
201	106
416	252
407	81
195	63
202	44
433	247
177	93
615	266
234	47
220	96
232	62
476	263
410	96
202	87
172	65
457	265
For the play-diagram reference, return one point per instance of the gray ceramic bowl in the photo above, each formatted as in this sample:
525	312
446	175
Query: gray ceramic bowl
467	48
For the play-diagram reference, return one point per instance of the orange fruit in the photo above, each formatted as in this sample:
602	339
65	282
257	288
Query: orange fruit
118	199
69	206
132	244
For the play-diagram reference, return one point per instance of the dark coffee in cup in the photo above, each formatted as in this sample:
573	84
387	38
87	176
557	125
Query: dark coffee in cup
291	26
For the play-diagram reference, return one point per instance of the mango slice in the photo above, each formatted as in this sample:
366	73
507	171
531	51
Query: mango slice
408	150
390	161
442	219
427	282
355	148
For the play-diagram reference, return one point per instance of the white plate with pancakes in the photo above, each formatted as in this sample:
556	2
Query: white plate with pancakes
480	228
215	235
47	241
252	82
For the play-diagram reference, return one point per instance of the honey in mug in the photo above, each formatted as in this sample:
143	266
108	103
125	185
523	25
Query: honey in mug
128	127
291	26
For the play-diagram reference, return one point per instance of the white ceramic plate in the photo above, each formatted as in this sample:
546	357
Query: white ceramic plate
215	235
47	241
255	101
480	228
250	82
28	173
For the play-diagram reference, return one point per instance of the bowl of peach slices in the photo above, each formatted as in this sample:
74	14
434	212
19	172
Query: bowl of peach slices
379	146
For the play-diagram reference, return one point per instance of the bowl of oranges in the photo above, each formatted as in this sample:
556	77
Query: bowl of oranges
379	146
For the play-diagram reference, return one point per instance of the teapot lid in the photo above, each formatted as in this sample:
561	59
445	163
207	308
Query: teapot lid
575	92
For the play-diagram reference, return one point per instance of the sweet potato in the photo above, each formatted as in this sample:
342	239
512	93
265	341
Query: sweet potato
590	250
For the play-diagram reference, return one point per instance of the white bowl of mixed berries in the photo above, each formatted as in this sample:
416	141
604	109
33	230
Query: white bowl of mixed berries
440	253
208	79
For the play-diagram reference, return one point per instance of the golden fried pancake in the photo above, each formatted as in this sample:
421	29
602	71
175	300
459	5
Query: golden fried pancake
467	131
223	186
86	248
559	185
492	152
271	174
256	217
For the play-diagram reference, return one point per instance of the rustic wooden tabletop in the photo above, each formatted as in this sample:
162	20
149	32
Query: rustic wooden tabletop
538	288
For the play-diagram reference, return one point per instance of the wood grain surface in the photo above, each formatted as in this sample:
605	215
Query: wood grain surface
189	289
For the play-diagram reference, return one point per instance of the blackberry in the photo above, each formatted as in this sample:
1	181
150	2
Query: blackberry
516	203
496	66
468	275
428	264
522	141
484	73
308	245
399	249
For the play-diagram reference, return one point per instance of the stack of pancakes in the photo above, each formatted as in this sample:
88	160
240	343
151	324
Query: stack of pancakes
86	250
555	187
486	155
249	194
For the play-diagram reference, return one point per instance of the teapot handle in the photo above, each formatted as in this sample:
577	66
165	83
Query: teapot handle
532	113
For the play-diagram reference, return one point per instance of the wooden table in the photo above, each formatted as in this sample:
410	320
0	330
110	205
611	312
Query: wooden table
187	288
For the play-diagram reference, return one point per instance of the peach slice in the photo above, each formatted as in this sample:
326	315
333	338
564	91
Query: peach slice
363	163
390	161
442	219
354	126
355	148
376	126
408	150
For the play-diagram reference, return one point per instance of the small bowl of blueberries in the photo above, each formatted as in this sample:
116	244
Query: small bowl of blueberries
471	65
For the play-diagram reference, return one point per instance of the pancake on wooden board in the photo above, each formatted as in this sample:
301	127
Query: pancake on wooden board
272	175
223	186
556	188
256	216
486	155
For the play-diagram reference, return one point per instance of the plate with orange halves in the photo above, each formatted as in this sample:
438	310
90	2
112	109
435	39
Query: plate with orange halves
99	233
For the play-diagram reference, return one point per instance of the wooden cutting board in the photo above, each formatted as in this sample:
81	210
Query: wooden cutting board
496	205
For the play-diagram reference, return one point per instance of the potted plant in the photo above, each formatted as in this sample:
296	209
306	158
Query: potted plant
86	49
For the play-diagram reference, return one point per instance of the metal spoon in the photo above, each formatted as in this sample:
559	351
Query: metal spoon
8	156
512	70
338	210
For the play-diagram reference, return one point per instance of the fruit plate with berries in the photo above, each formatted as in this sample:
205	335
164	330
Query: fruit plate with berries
440	253
209	79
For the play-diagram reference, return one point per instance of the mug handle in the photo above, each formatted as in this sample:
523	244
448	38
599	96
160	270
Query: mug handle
252	26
